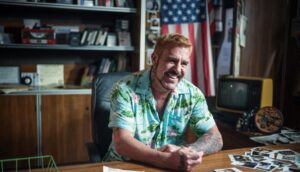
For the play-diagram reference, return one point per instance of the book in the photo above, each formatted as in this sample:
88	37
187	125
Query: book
109	3
124	38
84	37
98	37
101	66
113	65
111	39
88	3
119	3
87	76
106	65
92	38
103	36
89	37
101	3
121	63
129	3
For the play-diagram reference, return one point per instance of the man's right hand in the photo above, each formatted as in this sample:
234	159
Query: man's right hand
181	158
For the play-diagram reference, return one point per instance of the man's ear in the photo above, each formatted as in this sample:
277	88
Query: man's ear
154	58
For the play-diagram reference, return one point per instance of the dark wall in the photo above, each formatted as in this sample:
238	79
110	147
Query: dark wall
266	52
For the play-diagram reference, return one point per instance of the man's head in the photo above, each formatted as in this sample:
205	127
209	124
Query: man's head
170	59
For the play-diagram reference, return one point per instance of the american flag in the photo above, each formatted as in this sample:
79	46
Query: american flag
190	18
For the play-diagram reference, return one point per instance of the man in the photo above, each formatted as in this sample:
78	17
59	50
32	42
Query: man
151	110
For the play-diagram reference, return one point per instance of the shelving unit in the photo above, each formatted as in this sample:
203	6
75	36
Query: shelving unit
12	13
57	122
67	47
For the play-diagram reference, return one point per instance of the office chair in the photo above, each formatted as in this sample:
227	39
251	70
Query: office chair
101	90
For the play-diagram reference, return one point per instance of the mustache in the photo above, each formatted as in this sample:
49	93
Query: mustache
173	72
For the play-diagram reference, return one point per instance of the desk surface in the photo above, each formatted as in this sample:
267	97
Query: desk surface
209	163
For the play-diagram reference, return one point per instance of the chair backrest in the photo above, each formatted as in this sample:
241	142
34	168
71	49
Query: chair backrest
101	90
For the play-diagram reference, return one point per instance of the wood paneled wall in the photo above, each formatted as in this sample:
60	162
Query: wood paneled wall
267	36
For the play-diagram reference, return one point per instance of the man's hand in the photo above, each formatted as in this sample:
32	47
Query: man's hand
181	158
169	148
169	156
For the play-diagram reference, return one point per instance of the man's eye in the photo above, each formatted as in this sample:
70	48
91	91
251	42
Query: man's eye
172	61
184	64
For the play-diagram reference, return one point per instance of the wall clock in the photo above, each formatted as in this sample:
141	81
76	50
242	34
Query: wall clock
269	119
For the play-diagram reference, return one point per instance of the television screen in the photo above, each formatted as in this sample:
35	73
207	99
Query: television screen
233	94
241	94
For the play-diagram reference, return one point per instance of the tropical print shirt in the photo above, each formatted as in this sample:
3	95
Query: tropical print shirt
133	107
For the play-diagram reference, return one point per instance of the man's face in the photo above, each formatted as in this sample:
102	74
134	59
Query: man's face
169	67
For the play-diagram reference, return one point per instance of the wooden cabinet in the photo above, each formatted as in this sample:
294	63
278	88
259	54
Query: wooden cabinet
46	122
18	126
66	127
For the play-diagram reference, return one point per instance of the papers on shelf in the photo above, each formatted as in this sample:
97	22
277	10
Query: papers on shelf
51	75
9	88
109	169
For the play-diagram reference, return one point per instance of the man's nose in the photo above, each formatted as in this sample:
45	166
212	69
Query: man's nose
178	67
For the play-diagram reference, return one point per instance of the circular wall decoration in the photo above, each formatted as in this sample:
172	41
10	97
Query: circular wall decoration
268	119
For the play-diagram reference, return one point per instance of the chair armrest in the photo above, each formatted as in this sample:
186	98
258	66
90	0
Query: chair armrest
93	152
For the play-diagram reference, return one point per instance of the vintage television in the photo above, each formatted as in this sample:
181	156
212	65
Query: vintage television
242	94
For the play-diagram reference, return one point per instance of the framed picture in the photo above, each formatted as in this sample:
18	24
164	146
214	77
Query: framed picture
10	75
151	38
155	24
151	15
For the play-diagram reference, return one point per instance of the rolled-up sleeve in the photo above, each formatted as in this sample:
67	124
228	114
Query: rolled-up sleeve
201	119
121	113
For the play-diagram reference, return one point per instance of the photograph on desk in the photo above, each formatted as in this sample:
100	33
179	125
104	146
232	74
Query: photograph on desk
267	159
233	169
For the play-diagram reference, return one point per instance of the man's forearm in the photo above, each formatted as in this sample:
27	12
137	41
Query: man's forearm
127	146
210	142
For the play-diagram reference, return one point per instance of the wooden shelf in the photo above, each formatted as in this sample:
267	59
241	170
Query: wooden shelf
51	91
66	47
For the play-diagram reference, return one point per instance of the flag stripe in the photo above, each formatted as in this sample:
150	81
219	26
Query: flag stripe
164	29
178	28
193	55
185	32
198	47
205	59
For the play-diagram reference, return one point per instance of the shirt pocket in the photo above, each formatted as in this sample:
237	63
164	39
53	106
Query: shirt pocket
176	124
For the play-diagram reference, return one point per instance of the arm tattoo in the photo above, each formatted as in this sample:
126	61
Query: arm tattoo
210	142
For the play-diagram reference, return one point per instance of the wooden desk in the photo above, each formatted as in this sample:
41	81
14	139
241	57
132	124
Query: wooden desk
209	163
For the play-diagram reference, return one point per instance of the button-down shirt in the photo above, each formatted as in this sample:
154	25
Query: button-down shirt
133	108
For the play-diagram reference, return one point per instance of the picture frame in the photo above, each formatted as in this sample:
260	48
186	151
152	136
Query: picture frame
155	24
152	15
10	75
